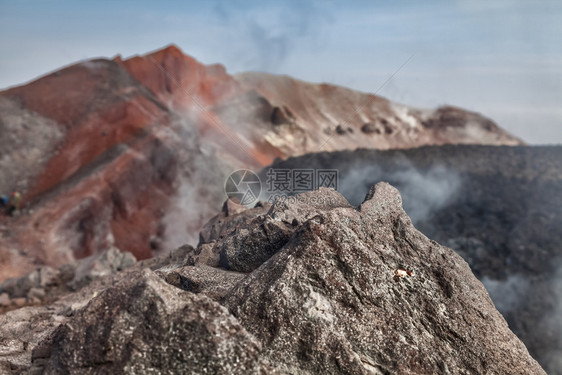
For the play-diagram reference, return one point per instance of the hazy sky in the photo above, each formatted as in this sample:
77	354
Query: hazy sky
500	58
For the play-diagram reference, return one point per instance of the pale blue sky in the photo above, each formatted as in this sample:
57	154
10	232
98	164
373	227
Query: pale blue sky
500	58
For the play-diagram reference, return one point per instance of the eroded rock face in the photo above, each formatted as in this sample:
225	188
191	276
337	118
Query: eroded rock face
215	283
145	326
45	284
242	241
330	300
500	208
351	291
99	265
24	327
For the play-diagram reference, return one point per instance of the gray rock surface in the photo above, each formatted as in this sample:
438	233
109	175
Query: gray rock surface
500	208
46	284
144	325
100	264
246	239
330	301
43	277
348	291
215	283
27	140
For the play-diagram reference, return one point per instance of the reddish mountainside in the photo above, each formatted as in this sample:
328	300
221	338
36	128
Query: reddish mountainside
178	79
191	88
102	184
133	153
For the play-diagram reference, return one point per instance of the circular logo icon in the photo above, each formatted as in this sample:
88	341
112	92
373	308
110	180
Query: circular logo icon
243	187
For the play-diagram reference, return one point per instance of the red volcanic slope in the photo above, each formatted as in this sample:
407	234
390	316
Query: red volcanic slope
102	187
180	80
136	139
187	86
107	108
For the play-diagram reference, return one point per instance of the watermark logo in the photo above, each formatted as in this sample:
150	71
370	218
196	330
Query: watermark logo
293	181
282	184
243	187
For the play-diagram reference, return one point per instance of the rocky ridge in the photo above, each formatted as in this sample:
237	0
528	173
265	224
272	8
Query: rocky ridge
500	208
303	286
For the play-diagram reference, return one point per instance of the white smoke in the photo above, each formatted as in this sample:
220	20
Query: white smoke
270	33
512	297
423	191
199	192
507	294
552	323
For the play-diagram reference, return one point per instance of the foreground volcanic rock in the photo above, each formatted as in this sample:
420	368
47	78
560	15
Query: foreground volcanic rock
143	325
339	290
500	208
